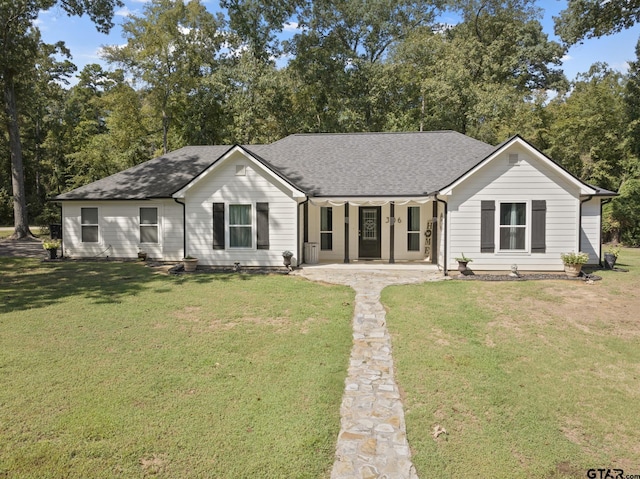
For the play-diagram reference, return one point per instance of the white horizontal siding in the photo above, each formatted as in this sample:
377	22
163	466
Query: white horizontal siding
119	230
498	181
222	185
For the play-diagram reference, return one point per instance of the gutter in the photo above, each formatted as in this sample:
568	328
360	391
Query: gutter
184	226
446	218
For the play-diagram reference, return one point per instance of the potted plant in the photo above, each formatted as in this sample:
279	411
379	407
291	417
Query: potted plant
573	262
51	245
142	255
611	256
287	255
462	263
190	264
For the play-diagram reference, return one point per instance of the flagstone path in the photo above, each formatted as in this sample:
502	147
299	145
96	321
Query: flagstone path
372	442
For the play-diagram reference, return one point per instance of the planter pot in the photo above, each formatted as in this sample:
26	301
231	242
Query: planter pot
609	260
572	270
142	256
462	266
190	264
53	253
286	260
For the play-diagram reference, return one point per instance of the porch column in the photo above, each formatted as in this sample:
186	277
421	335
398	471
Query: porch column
346	232
305	229
392	230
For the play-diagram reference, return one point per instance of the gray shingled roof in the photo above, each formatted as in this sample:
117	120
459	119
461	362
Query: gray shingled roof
374	164
357	164
157	178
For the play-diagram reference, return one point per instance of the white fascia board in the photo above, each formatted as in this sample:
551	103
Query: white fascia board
584	188
295	192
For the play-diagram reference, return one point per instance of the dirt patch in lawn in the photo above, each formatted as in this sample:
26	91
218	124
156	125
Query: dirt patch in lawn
592	308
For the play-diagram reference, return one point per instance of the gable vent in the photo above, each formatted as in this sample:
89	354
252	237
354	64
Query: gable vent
241	170
514	159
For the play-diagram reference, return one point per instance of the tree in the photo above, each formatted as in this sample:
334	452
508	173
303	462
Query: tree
19	41
595	18
632	104
339	56
471	77
169	50
589	128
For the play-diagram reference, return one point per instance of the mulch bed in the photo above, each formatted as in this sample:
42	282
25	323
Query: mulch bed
526	277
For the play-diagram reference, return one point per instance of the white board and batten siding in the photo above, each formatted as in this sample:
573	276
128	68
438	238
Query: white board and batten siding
502	181
119	230
254	185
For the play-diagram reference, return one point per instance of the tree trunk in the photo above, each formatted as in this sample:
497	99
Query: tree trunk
17	171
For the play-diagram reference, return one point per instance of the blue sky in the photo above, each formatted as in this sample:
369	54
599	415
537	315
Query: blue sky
84	41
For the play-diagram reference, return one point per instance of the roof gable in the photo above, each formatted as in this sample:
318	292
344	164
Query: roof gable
256	161
584	188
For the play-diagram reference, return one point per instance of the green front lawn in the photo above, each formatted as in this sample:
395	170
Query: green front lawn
111	370
529	379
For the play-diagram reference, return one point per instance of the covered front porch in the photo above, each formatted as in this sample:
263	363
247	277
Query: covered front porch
403	231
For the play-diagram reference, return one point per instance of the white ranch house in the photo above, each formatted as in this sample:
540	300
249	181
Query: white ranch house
342	198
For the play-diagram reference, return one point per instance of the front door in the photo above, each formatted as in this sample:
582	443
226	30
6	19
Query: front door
369	242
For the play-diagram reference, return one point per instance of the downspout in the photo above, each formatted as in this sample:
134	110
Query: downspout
588	198
184	226
61	232
305	229
445	236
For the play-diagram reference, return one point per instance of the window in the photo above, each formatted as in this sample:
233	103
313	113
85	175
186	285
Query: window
148	225
513	226
413	228
240	226
89	222
326	228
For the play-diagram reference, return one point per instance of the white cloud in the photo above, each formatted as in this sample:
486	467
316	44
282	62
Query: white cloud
621	67
123	12
566	58
291	27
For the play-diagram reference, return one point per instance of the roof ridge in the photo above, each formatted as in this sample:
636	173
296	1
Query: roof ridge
361	133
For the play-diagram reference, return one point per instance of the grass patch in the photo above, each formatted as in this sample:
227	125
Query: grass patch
529	379
108	369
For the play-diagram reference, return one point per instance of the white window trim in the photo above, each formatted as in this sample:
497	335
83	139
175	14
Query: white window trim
99	225
326	231
527	227
157	225
228	225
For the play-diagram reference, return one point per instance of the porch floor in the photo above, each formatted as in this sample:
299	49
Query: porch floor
368	265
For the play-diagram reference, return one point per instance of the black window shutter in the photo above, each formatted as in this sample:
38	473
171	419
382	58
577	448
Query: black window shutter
218	226
262	210
487	226
538	226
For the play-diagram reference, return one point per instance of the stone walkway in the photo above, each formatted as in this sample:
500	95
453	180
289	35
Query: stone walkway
372	442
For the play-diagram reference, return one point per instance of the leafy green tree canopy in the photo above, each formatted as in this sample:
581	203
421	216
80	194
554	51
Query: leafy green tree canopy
595	18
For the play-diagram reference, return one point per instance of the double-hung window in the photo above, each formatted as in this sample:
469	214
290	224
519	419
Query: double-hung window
326	228
413	228
513	226
89	225
240	226
148	225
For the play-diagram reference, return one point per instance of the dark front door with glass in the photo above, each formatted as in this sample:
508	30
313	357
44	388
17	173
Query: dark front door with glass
369	230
